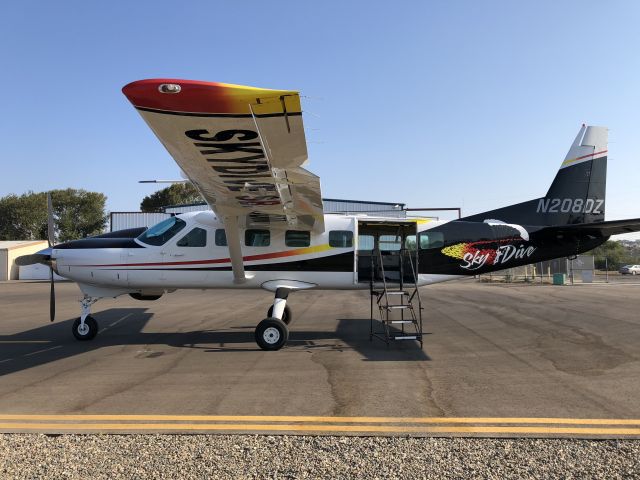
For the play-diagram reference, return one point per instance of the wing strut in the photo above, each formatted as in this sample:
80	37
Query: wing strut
235	249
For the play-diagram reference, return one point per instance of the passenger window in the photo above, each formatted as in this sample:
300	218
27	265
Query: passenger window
365	242
296	238
195	238
221	238
389	243
341	238
410	243
431	240
257	238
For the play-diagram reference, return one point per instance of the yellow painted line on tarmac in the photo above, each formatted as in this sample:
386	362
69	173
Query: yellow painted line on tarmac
321	419
241	427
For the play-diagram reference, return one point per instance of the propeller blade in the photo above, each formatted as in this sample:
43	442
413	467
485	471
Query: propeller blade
52	298
50	226
32	259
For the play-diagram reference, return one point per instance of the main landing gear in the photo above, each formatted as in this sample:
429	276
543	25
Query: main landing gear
272	333
85	327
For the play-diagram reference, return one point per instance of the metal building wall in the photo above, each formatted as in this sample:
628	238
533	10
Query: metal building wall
382	209
331	205
124	220
195	207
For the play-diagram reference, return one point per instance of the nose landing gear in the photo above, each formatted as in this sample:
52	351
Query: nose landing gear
272	333
85	327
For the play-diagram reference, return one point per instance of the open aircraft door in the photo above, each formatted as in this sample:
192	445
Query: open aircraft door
387	251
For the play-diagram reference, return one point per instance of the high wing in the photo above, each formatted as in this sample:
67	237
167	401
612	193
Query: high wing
243	148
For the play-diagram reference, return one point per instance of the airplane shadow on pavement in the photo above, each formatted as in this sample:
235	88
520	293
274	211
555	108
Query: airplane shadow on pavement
124	326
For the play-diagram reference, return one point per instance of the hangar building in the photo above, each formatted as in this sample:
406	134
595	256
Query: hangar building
123	220
9	250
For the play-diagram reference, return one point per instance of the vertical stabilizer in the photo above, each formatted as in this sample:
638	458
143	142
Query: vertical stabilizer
577	194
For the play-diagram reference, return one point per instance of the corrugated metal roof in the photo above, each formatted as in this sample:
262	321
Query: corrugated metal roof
11	244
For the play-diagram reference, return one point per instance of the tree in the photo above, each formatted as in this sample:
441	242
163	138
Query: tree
77	214
615	254
175	194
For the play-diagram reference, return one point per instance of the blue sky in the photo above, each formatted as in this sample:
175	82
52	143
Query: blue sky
430	103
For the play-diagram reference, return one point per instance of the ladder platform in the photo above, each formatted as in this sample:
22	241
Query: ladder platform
396	307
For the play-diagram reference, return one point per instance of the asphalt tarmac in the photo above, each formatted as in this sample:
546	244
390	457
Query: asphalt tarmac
498	360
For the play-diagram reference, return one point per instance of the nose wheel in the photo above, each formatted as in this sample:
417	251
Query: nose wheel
85	327
86	330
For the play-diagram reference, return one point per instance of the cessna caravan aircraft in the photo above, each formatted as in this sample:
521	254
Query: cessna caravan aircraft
244	150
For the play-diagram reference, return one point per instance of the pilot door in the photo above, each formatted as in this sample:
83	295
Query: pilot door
387	252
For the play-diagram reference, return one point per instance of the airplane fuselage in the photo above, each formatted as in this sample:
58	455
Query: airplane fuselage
192	253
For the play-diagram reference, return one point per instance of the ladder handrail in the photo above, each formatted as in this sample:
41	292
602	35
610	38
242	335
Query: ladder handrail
384	276
415	281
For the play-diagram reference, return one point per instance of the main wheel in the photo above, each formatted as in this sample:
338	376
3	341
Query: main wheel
271	334
286	315
87	331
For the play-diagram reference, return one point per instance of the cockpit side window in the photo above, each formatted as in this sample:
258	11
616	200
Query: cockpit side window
162	232
195	238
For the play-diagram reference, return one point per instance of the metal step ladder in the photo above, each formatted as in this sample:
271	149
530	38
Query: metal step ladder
401	300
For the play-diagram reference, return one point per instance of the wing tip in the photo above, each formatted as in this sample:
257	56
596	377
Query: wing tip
195	96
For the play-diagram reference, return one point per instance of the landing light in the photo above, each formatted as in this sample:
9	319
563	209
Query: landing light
169	88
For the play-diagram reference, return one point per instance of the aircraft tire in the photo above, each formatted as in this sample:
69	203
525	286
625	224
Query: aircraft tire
90	330
271	334
287	317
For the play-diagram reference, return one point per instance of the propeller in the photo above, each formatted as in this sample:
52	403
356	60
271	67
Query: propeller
44	257
51	240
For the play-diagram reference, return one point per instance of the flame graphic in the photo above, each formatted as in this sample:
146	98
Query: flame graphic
459	250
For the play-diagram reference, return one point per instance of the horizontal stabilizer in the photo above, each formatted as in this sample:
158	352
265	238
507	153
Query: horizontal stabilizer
603	229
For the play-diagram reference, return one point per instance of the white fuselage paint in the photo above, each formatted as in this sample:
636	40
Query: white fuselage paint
169	267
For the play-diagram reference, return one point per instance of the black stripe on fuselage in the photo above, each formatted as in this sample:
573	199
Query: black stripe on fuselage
342	262
99	242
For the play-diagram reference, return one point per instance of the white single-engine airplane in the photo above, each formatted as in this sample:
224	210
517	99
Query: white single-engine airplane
244	150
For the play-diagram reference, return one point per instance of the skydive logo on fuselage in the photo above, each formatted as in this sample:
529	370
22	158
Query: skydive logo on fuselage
239	161
570	205
475	255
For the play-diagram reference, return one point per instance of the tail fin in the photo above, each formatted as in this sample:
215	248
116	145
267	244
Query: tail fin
577	194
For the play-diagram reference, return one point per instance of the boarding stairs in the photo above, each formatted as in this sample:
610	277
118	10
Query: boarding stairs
397	300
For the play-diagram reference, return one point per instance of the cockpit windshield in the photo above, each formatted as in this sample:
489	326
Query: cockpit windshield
162	232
